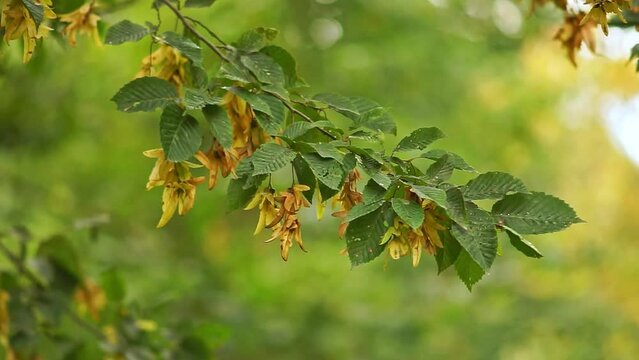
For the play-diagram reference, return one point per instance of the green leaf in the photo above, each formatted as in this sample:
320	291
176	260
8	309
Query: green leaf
492	185
479	237
59	250
234	72
145	94
186	47
419	139
198	3
305	176
125	31
113	285
446	256
364	234
265	69
363	209
179	134
300	128
328	171
36	11
220	125
468	270
378	120
256	39
288	65
441	170
271	157
195	99
456	160
456	208
339	103
373	168
238	194
409	211
373	192
431	193
521	244
275	116
534	213
328	150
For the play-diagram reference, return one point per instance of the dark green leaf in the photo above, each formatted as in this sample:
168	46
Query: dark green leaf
362	209
238	195
441	170
447	255
419	139
364	234
125	31
185	46
256	39
468	270
479	237
409	211
300	128
492	185
271	157
288	65
432	193
521	244
339	103
195	99
373	192
534	213
35	9
145	94
265	69
456	160
328	171
179	134
220	125
305	176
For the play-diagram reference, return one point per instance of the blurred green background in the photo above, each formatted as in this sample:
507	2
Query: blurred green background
484	71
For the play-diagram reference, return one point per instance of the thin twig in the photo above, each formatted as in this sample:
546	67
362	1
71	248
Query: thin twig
189	26
211	32
185	20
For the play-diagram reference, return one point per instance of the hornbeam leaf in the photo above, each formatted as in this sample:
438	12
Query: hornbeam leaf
364	234
254	40
305	176
36	10
145	94
220	125
479	238
328	171
363	209
534	213
524	246
179	134
125	31
435	194
288	65
339	103
419	139
492	185
409	211
271	157
186	47
468	270
441	170
265	69
458	162
447	255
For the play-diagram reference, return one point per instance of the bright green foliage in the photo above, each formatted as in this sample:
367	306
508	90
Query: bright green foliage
258	111
534	213
145	94
419	139
125	31
492	185
179	134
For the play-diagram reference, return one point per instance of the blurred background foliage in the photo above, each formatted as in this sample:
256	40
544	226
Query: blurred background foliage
486	72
